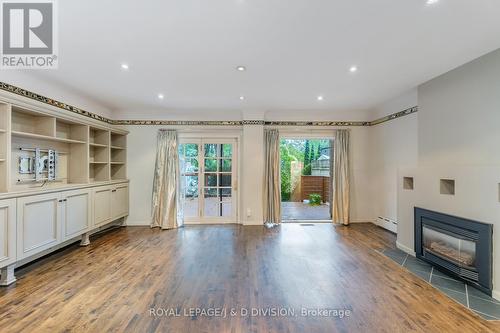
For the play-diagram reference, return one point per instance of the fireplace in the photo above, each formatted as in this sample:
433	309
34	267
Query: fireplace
459	246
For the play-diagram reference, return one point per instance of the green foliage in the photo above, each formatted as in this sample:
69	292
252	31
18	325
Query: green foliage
314	199
307	153
298	150
307	170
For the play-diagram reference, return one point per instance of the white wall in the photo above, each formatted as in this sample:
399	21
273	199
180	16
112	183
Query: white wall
458	138
361	200
141	159
28	81
252	175
459	115
393	145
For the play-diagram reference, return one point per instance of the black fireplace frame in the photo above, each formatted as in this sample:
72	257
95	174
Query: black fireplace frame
480	232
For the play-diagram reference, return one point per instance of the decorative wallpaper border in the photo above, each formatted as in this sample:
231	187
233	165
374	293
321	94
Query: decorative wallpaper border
394	116
39	98
180	122
52	102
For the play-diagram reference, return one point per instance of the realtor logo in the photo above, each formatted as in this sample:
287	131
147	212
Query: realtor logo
28	34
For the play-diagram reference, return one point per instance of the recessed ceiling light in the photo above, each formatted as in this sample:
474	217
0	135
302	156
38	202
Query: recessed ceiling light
353	69
161	96
124	66
242	97
431	2
320	98
241	68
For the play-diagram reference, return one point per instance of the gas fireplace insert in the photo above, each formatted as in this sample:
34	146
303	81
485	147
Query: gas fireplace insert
459	246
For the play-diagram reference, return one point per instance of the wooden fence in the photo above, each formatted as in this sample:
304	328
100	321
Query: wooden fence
315	184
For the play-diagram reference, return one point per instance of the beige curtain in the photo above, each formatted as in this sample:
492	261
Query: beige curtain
272	185
166	208
341	181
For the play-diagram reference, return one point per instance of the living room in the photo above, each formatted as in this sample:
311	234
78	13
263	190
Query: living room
250	166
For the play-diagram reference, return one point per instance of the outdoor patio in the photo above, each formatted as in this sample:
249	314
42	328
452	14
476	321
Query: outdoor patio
293	211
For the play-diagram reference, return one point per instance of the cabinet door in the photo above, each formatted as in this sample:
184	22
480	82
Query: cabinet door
102	205
119	201
76	213
38	224
7	232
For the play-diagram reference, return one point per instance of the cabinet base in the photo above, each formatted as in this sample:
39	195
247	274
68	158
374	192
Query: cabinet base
8	276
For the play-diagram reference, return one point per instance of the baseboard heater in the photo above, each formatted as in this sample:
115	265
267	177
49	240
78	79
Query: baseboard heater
387	223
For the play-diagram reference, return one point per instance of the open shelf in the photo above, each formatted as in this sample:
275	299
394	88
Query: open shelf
118	140
118	155
98	154
25	121
118	171
98	136
71	131
87	152
43	137
97	145
98	172
5	119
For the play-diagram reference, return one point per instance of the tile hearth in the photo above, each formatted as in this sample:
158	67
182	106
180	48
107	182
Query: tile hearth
470	297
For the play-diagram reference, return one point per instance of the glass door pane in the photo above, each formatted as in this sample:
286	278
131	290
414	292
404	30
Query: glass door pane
218	179
189	169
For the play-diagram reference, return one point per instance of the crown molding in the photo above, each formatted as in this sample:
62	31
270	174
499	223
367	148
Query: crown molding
67	107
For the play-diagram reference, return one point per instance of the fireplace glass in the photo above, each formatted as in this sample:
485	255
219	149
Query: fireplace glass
448	246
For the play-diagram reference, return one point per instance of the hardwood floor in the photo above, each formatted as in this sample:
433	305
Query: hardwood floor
112	284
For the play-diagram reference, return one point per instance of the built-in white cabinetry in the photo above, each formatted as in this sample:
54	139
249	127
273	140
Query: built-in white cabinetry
81	186
76	213
102	205
32	224
7	232
119	201
110	203
38	223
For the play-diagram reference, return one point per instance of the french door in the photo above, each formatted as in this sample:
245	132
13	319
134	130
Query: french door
208	180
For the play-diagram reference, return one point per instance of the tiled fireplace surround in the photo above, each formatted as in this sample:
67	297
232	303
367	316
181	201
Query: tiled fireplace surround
470	297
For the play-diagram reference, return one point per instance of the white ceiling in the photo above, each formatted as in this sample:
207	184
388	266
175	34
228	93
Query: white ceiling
294	50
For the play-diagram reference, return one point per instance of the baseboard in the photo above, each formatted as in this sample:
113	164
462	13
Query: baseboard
137	223
253	222
495	294
361	221
405	249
